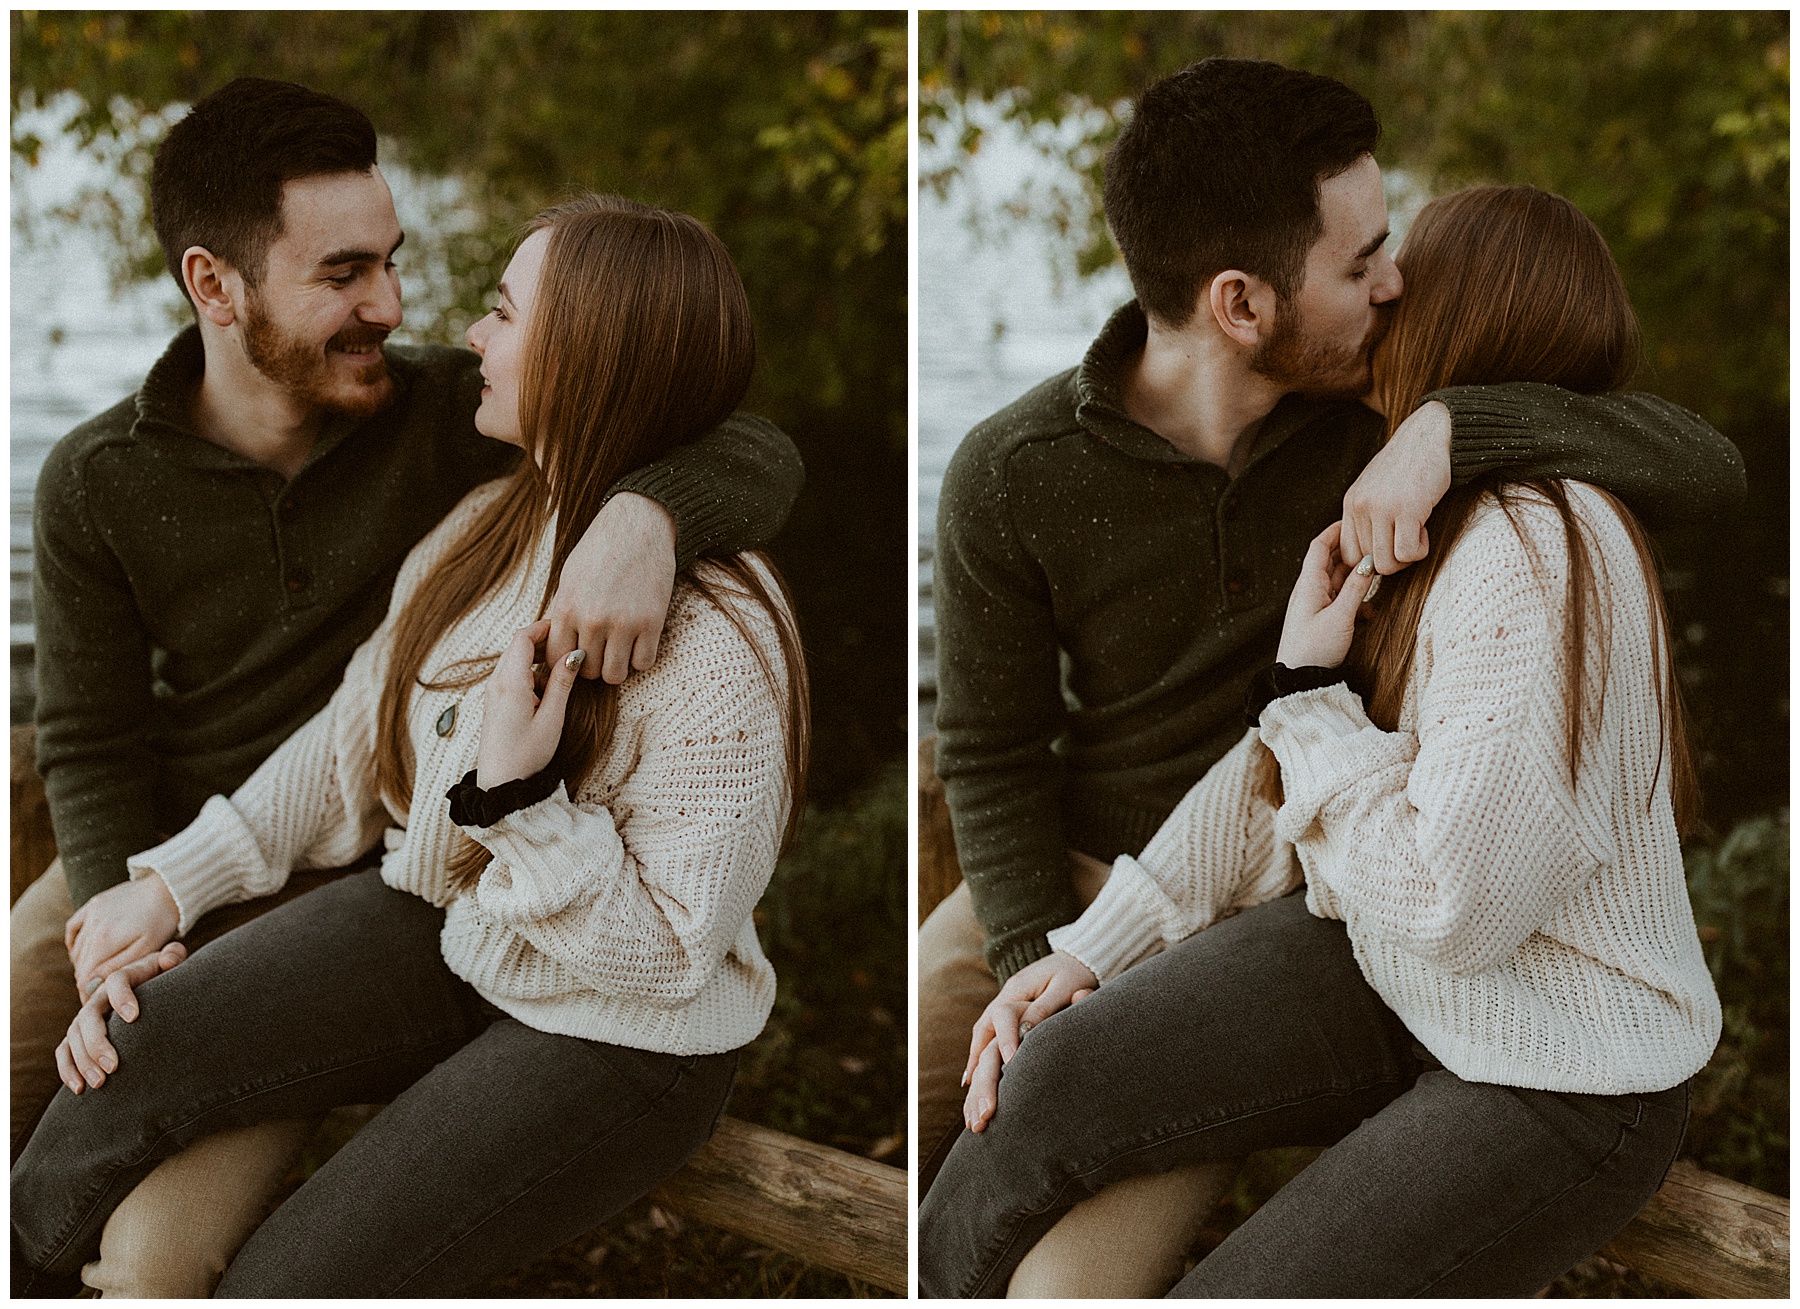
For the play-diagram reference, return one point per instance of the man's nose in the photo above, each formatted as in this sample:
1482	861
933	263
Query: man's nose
1387	284
383	304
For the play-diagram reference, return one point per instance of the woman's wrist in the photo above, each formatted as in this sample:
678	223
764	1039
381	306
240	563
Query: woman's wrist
474	806
1278	680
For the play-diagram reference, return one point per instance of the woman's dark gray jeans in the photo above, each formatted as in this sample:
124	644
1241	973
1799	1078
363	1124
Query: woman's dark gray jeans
501	1142
1261	1032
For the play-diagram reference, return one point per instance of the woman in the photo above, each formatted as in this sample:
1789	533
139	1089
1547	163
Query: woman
551	972
1491	997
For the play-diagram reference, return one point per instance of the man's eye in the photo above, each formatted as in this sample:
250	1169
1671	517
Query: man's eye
342	279
1360	273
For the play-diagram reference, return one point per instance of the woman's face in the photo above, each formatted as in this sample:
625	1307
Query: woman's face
499	339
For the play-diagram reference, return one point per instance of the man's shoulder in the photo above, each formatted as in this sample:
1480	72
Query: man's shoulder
64	466
1044	413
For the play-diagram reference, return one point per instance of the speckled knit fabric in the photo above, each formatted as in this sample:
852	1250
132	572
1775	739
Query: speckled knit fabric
1528	932
622	915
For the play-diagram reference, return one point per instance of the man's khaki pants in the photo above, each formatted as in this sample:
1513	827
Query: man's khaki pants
1129	1240
176	1233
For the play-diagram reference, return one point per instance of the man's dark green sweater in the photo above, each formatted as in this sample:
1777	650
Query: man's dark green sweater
1103	600
194	608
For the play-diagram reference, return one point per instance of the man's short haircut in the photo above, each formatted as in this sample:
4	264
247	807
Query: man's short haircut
1220	168
217	178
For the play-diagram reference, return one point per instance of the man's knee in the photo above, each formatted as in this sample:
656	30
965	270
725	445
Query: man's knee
180	1228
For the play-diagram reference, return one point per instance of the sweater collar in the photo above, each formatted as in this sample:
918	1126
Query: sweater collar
1100	397
164	398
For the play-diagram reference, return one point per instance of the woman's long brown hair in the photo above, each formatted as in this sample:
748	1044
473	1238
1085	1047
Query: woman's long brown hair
1510	284
640	340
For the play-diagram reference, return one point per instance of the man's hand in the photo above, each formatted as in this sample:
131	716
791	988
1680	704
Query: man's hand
85	1056
1029	997
121	925
1386	508
614	593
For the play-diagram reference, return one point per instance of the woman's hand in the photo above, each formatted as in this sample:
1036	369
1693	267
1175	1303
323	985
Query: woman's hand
85	1056
119	926
1321	612
1029	997
520	731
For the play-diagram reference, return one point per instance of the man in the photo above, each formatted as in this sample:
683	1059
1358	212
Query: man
210	551
1143	518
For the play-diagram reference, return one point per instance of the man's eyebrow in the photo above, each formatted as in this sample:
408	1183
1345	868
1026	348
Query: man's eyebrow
350	256
1372	247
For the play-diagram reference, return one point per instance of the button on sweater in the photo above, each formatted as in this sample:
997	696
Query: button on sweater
1529	929
620	913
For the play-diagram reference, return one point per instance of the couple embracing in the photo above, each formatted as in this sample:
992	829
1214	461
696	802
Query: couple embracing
1308	725
386	625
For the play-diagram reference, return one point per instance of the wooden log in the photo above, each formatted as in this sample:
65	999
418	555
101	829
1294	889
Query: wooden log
1708	1235
832	1209
939	871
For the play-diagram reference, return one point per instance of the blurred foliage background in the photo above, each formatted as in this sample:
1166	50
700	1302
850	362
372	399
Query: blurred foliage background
786	132
1670	130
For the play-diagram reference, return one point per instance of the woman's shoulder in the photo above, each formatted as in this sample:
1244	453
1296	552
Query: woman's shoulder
720	630
1525	524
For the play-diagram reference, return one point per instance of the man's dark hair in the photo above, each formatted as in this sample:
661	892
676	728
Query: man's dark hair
217	178
1220	168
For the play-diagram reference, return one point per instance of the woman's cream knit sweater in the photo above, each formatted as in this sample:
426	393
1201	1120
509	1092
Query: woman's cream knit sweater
620	915
1529	932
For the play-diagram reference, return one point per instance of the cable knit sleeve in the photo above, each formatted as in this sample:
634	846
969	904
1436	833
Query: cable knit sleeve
1459	843
644	896
1217	853
313	803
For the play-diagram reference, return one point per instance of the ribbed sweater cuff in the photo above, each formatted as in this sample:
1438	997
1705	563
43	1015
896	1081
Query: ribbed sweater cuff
1118	929
211	862
1016	954
1308	733
1488	430
702	518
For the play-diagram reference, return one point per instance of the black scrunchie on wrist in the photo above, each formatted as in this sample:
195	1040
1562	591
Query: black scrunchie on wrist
470	806
1278	680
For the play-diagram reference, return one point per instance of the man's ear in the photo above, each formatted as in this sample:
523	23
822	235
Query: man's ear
215	287
1242	304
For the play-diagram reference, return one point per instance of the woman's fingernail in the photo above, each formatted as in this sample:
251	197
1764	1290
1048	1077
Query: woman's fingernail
1374	586
965	1080
1367	566
573	661
1025	1027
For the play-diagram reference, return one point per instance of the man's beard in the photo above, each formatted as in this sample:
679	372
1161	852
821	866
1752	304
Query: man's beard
1301	363
305	370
